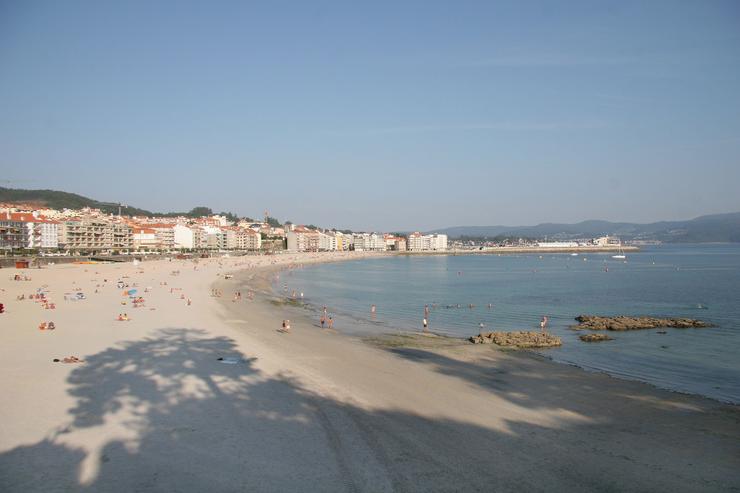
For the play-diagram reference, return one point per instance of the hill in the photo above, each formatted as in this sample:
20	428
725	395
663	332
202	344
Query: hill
703	229
55	199
64	200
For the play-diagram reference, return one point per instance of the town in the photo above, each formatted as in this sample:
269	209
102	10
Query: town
43	231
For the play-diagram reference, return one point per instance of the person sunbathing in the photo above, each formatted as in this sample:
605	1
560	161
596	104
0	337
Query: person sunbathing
69	359
42	326
50	326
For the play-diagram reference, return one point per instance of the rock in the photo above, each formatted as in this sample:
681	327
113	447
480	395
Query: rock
595	337
594	322
522	339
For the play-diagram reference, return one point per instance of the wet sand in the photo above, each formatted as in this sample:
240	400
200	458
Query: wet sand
153	408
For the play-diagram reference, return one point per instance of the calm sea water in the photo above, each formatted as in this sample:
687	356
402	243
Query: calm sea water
696	281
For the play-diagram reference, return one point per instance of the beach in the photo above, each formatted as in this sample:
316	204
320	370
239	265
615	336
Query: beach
153	408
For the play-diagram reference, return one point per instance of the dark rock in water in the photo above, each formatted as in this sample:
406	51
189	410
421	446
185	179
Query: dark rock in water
522	339
595	337
595	322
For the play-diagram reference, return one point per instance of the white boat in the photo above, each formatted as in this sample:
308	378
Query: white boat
574	254
620	255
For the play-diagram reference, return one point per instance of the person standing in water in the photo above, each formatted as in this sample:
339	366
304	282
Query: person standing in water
425	324
543	323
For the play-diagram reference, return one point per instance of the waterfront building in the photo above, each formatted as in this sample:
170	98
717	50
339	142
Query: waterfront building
327	242
557	244
302	239
417	242
145	239
368	242
12	232
95	233
248	239
183	236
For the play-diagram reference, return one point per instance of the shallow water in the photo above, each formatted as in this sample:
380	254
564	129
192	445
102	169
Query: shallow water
696	281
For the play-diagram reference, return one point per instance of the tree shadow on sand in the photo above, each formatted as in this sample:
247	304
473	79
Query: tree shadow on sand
164	414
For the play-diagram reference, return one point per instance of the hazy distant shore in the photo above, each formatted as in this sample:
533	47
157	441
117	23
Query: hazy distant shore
534	250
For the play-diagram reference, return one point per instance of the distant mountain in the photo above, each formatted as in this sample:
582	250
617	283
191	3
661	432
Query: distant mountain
703	229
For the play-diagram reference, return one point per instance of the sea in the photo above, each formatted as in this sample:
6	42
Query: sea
694	281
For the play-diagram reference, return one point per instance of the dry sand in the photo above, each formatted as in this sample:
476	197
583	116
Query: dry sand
153	409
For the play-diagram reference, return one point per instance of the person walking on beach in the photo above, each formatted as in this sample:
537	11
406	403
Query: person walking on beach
322	320
331	323
425	324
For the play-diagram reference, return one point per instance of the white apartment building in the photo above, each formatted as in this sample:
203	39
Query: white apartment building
183	236
368	242
327	242
145	239
33	231
418	242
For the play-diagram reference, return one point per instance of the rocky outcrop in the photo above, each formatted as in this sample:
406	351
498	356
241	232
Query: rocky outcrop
595	337
594	322
522	339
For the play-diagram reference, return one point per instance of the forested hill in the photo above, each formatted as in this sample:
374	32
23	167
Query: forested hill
55	199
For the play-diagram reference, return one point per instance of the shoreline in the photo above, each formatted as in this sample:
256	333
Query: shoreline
305	309
526	250
153	408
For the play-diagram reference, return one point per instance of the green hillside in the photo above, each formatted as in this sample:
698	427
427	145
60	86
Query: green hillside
55	199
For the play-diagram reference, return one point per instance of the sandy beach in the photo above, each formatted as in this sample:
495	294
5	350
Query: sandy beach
209	395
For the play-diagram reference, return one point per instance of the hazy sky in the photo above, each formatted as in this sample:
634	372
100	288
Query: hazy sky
378	115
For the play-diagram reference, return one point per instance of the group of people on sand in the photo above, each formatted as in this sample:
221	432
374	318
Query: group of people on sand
18	277
47	326
123	317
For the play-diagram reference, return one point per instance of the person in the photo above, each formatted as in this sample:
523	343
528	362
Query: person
189	301
543	323
481	326
426	310
372	308
425	324
51	326
2	308
42	326
323	321
331	323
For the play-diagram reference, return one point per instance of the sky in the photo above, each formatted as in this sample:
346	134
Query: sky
378	115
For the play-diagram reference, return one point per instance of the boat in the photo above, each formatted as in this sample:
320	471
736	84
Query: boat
574	254
620	255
